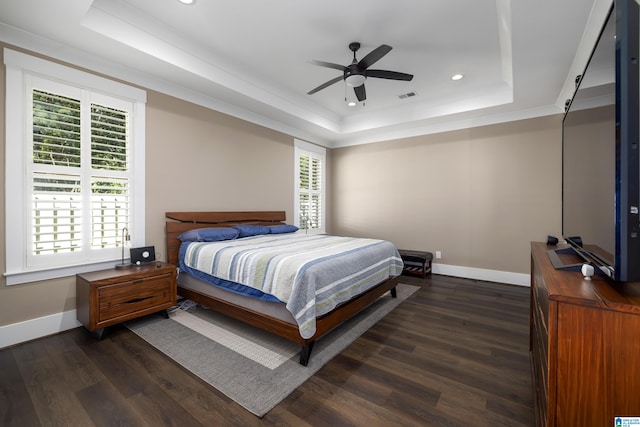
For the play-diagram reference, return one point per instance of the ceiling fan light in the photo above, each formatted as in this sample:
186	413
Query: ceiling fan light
355	80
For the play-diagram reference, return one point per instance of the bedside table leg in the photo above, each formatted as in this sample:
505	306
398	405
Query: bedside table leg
99	333
164	313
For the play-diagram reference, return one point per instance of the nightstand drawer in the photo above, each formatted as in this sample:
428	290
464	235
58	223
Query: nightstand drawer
123	299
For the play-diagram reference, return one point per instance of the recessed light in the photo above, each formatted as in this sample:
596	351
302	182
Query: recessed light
351	103
457	76
408	95
187	2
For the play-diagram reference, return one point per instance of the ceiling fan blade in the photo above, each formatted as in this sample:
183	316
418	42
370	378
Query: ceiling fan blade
391	75
361	94
326	84
329	65
374	56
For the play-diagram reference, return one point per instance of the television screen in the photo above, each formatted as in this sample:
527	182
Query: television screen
589	151
601	166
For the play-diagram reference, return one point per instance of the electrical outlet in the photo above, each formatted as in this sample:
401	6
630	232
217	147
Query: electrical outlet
438	254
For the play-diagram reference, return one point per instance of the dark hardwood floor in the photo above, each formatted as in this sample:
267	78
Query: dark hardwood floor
454	354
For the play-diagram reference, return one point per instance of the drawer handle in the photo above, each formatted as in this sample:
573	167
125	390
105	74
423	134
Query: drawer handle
132	301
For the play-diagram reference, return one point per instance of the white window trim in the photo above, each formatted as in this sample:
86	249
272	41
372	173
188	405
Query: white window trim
303	146
17	65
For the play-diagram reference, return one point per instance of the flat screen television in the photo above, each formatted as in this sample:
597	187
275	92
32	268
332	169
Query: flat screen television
600	161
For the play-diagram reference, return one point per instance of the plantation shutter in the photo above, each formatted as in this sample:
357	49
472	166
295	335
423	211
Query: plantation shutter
56	174
109	180
310	190
79	173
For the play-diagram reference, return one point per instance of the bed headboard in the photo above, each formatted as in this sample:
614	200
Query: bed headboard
179	222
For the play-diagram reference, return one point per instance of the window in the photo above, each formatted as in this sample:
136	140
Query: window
75	158
309	209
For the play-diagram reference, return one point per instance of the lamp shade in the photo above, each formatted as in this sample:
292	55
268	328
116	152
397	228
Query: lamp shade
355	80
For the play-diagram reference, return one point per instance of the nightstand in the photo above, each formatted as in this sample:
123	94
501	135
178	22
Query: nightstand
108	297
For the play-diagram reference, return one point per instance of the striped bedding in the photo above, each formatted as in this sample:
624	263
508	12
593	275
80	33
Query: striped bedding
311	274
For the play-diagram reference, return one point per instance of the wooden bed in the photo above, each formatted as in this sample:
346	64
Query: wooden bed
179	222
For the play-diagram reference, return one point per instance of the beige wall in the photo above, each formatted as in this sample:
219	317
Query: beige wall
201	160
478	195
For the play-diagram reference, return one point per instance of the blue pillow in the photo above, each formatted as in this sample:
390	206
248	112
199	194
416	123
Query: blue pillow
283	228
213	234
247	230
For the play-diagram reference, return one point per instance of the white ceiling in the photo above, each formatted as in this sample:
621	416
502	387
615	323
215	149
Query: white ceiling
251	58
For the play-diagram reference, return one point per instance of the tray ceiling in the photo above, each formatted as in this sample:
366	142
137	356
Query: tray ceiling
251	58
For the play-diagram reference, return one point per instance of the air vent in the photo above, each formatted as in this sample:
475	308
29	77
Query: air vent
408	95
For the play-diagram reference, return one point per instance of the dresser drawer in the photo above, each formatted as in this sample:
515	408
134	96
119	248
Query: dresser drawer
131	297
541	297
540	337
540	394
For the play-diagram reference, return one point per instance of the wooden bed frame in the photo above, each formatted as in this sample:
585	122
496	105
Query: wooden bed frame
179	222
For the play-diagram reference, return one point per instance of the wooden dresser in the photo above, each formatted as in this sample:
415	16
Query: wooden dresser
107	297
584	345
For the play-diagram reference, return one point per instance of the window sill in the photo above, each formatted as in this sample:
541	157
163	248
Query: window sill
21	277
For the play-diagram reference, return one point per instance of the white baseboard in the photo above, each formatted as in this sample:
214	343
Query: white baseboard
17	333
519	279
28	330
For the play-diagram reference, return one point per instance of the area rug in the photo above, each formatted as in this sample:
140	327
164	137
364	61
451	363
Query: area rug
254	368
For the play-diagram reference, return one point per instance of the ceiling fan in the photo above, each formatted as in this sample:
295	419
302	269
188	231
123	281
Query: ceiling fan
357	72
